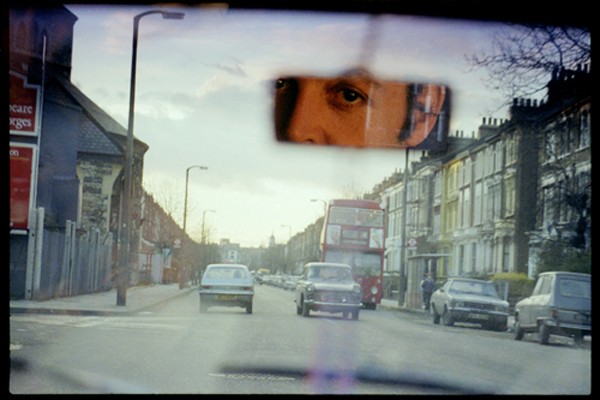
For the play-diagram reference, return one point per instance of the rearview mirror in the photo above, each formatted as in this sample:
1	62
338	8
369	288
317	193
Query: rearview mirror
356	109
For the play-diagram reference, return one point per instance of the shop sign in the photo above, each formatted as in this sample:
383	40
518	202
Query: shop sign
23	106
21	184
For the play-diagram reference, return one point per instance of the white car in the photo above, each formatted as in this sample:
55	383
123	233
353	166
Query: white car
328	287
228	285
469	300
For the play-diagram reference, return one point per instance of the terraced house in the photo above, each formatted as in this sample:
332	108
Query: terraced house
461	215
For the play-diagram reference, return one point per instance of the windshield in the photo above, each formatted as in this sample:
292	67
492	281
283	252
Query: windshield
330	274
415	142
363	264
475	288
356	217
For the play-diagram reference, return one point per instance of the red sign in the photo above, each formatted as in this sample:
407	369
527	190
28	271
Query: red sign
21	178
23	106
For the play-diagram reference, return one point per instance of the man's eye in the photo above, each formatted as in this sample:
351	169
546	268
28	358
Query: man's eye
280	83
285	83
346	98
350	95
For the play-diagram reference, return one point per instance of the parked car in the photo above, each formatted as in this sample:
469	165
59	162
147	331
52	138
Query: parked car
291	282
328	287
561	304
228	285
469	300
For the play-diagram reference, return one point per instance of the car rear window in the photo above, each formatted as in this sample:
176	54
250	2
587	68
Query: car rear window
226	273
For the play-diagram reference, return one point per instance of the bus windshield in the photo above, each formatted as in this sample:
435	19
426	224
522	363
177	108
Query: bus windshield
356	217
363	264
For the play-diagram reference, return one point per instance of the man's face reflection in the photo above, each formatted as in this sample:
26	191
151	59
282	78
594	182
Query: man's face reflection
354	110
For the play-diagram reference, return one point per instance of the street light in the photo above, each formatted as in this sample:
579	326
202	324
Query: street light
289	231
122	277
203	221
187	175
324	204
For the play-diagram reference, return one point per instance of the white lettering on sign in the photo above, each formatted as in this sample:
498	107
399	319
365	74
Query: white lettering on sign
20	108
20	123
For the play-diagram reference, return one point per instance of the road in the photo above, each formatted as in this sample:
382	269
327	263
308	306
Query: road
175	349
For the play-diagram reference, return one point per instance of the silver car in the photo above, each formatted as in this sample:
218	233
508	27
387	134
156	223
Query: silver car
328	287
561	304
469	300
228	285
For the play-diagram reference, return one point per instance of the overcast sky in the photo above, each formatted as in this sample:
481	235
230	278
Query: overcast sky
203	98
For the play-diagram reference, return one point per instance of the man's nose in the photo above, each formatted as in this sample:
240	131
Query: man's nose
306	124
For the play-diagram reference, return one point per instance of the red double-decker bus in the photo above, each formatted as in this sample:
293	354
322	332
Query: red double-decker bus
354	233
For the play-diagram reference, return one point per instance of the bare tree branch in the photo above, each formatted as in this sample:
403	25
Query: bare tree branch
523	57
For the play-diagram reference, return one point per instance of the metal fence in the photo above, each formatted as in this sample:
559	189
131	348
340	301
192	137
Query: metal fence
73	263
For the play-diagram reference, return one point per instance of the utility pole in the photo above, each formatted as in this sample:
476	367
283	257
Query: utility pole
402	279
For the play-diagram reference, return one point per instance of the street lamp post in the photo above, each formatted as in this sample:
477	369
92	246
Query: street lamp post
187	175
324	204
204	258
289	231
288	247
122	276
203	221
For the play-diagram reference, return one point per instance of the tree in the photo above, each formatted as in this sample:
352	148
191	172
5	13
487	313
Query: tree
557	255
167	196
524	56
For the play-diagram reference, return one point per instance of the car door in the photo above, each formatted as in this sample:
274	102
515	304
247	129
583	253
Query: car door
440	297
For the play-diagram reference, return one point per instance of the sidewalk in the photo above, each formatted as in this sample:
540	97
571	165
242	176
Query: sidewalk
392	304
138	298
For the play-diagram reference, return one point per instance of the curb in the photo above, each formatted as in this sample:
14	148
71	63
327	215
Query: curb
95	312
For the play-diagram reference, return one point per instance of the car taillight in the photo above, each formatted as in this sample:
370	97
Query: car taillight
205	287
247	288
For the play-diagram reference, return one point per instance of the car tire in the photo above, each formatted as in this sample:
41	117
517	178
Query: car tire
305	310
436	316
543	334
502	326
355	314
249	308
519	332
447	318
578	338
298	309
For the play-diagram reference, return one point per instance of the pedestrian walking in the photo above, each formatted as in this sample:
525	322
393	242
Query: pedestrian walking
427	287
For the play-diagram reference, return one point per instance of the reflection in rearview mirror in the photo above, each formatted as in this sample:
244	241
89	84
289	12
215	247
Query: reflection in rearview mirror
358	110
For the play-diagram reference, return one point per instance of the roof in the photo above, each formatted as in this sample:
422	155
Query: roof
326	264
567	273
461	278
226	265
97	124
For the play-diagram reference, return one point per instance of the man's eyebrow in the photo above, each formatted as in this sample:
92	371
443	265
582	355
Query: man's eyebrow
361	74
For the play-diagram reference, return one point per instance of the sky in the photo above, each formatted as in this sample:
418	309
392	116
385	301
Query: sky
203	98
